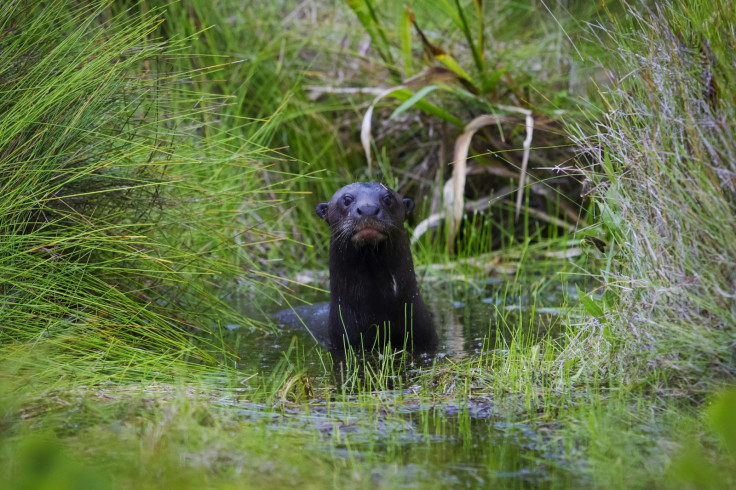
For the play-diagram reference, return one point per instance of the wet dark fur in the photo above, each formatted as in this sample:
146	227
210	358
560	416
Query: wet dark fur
373	288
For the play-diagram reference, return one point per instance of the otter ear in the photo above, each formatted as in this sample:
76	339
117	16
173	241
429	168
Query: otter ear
409	204
322	210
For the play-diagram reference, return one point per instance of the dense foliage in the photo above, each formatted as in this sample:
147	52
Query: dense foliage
159	167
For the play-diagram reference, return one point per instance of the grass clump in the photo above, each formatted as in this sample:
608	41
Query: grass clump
664	170
117	222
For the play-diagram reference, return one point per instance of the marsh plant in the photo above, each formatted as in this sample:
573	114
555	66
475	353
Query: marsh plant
118	219
663	164
160	164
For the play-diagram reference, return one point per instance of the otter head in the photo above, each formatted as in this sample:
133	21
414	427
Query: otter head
366	213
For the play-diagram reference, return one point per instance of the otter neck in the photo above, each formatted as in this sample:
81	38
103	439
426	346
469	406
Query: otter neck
386	270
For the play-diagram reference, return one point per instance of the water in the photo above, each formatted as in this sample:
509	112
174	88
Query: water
406	429
468	315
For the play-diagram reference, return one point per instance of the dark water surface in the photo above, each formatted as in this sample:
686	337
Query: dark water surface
470	318
410	433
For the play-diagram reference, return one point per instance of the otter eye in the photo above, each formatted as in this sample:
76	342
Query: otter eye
347	199
388	199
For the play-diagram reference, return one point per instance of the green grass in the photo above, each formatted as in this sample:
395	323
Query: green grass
662	163
159	165
121	226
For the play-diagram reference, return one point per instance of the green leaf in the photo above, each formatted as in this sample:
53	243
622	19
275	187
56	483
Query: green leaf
608	165
610	212
367	16
413	100
405	36
452	65
491	81
450	11
608	334
610	299
361	12
424	106
382	40
481	33
589	304
477	57
720	418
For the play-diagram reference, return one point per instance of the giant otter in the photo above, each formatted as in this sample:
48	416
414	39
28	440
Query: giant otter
374	296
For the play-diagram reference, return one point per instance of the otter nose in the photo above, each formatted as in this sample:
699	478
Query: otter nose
367	210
